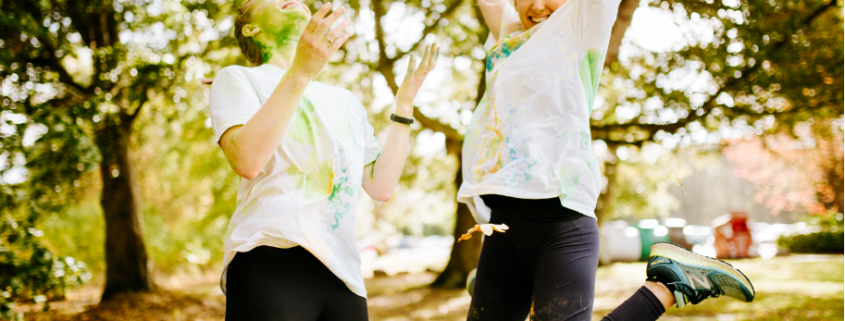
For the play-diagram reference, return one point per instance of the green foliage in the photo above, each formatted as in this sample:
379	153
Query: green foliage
31	272
828	236
78	232
818	242
763	65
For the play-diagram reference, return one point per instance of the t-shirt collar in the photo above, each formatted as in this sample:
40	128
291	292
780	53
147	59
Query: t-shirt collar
272	67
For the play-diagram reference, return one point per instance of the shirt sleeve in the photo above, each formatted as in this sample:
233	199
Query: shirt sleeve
232	101
372	150
592	22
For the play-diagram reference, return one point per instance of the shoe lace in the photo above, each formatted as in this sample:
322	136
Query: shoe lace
695	296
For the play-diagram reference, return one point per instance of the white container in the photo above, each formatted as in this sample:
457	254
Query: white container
619	242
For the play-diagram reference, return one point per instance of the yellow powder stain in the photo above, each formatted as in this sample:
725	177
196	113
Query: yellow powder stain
313	173
315	181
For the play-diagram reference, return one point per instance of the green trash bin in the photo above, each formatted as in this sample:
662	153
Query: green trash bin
649	236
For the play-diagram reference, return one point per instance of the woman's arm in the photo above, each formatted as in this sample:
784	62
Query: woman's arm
248	147
493	10
381	177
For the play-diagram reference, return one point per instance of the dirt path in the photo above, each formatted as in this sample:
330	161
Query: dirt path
800	287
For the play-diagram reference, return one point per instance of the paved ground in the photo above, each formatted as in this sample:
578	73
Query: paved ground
798	287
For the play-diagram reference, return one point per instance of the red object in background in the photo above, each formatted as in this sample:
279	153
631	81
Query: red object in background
733	237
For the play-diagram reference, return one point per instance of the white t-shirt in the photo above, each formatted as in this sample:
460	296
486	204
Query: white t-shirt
307	192
530	136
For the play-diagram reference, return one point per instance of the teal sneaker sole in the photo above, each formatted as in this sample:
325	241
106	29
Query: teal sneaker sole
731	281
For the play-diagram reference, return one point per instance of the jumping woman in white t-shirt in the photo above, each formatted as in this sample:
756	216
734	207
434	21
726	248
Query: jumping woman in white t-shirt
304	150
527	163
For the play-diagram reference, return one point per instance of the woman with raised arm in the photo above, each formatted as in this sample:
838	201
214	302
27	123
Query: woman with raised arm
304	150
527	163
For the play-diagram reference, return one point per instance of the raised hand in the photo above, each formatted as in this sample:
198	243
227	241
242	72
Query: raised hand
317	44
414	79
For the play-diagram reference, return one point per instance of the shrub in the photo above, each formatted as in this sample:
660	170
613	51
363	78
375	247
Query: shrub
818	242
29	271
826	236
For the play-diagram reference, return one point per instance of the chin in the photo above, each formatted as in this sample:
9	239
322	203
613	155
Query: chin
528	24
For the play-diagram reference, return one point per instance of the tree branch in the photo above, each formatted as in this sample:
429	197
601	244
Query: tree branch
52	61
429	29
385	64
603	131
436	125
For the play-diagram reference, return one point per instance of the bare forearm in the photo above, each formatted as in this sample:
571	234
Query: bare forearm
388	167
252	144
492	10
381	178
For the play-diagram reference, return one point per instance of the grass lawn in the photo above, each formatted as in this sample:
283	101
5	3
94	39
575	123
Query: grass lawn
798	287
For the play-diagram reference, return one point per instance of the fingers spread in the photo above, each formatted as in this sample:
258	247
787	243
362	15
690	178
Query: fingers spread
424	63
324	25
317	17
339	29
435	49
340	41
412	62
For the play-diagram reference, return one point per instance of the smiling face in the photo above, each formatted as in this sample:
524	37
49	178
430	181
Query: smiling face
534	12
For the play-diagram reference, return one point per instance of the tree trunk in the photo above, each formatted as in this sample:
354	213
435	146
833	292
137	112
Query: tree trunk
623	21
127	268
464	256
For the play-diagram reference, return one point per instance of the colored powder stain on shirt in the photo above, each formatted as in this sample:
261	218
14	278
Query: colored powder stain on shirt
504	48
591	67
308	191
316	175
562	134
495	144
585	139
345	132
339	206
317	181
306	124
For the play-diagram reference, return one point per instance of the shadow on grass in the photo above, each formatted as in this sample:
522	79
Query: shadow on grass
788	288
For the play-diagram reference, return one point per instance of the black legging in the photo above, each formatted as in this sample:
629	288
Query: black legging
545	269
269	283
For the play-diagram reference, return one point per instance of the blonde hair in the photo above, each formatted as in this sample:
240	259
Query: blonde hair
251	50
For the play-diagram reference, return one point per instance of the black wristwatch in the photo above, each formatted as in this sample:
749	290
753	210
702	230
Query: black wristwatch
402	120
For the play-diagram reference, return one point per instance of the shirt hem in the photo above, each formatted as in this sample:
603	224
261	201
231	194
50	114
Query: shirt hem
243	248
509	192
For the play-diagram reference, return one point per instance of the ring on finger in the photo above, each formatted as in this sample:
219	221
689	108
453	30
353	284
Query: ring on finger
327	38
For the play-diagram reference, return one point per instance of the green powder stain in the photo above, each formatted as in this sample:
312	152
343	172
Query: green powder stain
233	140
266	52
562	134
305	128
339	206
315	175
315	181
591	67
346	134
282	28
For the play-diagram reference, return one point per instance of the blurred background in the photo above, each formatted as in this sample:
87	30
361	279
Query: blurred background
114	200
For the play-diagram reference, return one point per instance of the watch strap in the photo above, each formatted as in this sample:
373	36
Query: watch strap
402	120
